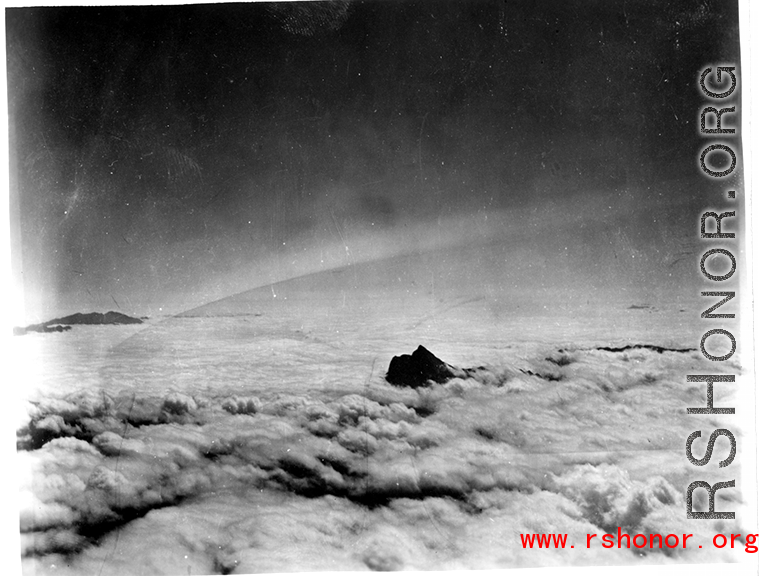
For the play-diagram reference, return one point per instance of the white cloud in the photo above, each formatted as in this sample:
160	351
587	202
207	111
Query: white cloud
376	476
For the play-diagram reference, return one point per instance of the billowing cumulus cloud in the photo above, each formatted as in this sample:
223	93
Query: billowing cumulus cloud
384	477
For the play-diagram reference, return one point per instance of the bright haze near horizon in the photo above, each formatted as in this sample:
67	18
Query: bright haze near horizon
165	157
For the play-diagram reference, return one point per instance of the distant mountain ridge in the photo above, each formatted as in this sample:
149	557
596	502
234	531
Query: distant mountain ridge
65	323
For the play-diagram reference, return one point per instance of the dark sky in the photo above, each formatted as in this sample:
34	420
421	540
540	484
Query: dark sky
164	156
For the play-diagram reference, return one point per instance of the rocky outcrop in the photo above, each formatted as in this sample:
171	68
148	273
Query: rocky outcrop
420	369
95	318
65	323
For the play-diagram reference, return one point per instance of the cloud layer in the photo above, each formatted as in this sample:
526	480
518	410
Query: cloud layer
382	478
